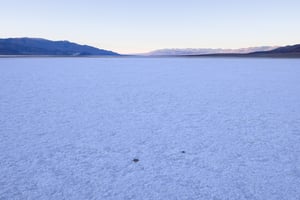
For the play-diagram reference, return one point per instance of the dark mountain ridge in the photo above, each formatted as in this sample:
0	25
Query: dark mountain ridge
40	47
287	51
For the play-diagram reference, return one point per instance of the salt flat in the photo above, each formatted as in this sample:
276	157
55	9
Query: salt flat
199	128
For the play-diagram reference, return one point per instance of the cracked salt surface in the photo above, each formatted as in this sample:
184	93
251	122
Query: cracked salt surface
129	128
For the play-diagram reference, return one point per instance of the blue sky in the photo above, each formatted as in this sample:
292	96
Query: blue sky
140	26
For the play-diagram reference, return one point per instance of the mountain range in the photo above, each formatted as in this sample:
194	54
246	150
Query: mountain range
205	51
44	47
41	47
292	51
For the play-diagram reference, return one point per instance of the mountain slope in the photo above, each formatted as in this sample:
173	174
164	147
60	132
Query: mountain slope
36	46
287	51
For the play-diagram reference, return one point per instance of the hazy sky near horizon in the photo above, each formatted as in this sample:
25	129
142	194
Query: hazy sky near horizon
139	26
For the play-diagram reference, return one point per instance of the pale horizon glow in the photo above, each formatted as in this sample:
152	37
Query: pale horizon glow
142	26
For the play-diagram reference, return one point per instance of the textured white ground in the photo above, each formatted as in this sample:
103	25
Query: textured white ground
70	128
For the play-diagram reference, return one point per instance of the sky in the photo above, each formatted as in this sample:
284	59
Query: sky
137	26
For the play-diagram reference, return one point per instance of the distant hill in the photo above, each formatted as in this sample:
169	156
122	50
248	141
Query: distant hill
287	51
37	46
292	51
205	51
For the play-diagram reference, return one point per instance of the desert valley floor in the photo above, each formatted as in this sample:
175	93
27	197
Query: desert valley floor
149	128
